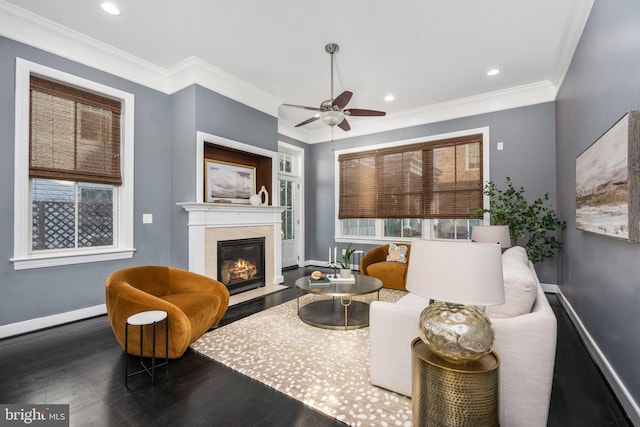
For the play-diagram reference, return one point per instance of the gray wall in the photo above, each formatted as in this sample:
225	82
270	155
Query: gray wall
165	143
198	109
528	158
600	276
28	294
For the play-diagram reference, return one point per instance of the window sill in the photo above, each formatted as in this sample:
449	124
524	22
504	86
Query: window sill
375	240
40	261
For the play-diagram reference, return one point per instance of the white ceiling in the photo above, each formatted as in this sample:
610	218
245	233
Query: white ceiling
431	55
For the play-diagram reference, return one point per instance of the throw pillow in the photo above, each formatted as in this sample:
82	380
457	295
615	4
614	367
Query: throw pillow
397	253
520	286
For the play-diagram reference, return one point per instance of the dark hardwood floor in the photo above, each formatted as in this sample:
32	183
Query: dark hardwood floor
81	364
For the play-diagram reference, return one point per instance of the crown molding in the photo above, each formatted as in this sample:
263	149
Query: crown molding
573	28
34	30
194	70
519	96
26	27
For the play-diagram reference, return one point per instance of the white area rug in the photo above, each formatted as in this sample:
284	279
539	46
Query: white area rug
326	369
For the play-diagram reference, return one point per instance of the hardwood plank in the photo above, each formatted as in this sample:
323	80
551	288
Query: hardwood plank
82	364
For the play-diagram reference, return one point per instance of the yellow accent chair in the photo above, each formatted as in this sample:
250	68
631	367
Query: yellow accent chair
393	274
194	304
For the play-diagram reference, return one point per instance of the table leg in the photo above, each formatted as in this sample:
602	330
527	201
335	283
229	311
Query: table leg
346	310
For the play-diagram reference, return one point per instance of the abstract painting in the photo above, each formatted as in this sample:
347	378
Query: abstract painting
607	182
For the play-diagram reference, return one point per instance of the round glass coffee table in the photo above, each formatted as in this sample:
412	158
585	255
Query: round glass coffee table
340	311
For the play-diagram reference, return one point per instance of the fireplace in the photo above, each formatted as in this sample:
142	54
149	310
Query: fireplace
241	264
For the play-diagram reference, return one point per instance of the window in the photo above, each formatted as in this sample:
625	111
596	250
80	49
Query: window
414	189
69	215
73	192
286	162
408	227
359	227
287	198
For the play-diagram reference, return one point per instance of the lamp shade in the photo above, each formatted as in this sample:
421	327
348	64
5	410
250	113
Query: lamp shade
460	272
492	234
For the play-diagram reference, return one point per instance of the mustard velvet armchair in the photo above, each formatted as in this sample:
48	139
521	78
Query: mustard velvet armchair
393	274
194	303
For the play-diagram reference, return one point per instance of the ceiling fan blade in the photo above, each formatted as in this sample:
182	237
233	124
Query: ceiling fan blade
304	107
344	125
343	99
361	112
306	122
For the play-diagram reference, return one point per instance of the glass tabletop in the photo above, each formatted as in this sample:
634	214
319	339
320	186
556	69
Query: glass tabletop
362	285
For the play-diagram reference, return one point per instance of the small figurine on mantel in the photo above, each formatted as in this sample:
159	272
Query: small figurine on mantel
260	199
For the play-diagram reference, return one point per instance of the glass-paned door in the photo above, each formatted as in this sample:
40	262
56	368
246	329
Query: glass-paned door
288	191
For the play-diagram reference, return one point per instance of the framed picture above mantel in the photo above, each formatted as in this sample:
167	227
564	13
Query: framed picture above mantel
608	182
229	182
231	164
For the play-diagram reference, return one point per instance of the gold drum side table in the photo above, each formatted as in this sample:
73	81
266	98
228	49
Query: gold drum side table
453	394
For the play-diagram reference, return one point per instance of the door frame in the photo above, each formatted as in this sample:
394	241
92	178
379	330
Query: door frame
298	178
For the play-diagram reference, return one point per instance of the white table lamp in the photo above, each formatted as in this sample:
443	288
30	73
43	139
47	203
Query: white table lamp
458	276
492	234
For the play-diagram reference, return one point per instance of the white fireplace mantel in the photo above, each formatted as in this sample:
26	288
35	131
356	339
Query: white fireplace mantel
203	216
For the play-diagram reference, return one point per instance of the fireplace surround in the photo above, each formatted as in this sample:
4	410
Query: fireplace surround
211	222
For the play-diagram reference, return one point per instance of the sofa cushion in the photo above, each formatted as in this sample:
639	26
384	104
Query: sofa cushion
413	301
397	253
520	286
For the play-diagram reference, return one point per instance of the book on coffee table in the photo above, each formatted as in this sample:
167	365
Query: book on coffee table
319	282
338	279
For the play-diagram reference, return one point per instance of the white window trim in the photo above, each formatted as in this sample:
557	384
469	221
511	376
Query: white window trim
22	256
298	176
426	223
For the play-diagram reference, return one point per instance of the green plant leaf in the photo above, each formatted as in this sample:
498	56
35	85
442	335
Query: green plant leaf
531	224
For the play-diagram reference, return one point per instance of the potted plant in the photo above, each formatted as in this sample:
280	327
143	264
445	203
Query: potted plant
531	225
345	264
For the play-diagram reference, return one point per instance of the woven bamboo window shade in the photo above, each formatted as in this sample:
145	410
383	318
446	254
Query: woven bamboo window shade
74	134
436	179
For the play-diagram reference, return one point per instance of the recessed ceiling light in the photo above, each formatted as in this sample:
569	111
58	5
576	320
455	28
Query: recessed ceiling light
493	72
389	98
111	8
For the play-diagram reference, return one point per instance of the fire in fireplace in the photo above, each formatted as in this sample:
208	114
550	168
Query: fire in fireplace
241	264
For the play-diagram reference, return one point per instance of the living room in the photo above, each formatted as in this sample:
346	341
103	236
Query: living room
597	276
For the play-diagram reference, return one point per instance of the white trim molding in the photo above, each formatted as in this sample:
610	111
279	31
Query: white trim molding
515	97
33	325
202	137
299	177
26	27
22	256
617	385
194	70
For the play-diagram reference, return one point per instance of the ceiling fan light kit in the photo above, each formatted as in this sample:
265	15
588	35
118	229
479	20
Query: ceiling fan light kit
332	111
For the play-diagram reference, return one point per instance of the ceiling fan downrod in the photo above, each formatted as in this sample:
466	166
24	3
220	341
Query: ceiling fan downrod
332	48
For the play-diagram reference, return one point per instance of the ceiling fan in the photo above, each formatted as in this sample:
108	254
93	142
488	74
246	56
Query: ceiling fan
332	111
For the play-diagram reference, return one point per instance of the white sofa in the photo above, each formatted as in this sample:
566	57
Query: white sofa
525	343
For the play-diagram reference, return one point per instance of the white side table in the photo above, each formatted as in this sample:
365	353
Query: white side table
142	319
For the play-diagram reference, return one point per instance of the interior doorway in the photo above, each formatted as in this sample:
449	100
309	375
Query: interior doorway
290	195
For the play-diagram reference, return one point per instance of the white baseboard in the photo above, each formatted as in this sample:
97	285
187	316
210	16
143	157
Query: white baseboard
315	263
49	321
550	288
620	390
